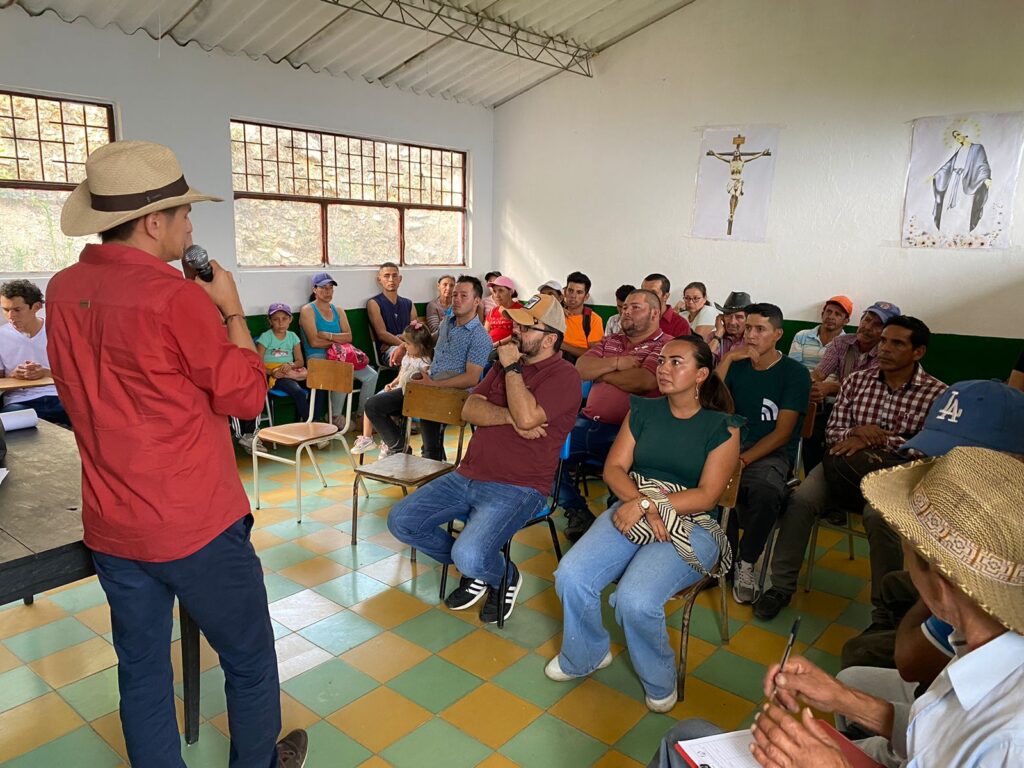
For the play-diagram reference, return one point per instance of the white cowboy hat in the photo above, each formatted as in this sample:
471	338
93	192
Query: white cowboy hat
962	513
123	181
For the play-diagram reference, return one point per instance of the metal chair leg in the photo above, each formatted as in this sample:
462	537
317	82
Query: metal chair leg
255	473
554	538
810	556
355	509
507	551
298	483
444	568
684	640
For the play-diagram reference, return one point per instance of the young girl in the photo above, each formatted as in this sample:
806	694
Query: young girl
419	350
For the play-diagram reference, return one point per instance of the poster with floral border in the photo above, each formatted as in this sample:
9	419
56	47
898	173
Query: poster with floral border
961	180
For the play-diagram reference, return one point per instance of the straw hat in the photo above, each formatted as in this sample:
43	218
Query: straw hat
963	512
123	181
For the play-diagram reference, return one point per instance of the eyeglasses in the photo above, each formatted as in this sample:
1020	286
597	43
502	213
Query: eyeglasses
541	328
691	299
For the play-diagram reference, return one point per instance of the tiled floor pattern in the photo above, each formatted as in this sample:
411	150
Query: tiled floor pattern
381	675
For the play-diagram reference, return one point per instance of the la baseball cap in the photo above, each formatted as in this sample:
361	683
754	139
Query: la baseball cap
979	412
278	306
552	284
884	310
504	282
321	279
543	309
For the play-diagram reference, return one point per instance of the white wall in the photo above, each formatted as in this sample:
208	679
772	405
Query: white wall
185	97
600	174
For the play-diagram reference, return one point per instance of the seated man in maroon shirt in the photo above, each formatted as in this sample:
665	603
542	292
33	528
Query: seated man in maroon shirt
523	409
620	365
670	321
149	365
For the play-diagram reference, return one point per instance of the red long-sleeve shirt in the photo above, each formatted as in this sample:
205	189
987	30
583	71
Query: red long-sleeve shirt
145	370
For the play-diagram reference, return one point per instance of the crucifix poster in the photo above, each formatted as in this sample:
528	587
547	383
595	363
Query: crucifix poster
961	181
734	182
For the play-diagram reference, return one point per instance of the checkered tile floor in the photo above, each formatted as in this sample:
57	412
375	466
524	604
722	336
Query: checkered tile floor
380	674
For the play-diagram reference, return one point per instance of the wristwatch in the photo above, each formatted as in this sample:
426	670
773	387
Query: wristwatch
516	367
645	505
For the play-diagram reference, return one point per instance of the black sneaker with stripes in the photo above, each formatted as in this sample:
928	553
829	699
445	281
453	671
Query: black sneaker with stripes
466	594
491	608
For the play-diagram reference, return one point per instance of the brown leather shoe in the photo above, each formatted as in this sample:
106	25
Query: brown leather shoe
291	750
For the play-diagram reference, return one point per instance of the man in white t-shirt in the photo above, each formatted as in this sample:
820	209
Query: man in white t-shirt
23	352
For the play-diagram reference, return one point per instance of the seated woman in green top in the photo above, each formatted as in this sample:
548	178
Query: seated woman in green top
681	450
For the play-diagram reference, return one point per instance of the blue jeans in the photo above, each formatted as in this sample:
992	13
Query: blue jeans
589	439
221	586
494	512
648	576
48	408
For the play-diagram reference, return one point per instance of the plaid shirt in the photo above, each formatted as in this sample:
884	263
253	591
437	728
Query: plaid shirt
835	353
864	398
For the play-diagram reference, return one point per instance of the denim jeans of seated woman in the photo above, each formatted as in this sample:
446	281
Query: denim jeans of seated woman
648	576
493	513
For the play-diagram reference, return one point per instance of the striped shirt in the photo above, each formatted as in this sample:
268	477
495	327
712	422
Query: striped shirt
808	348
864	398
608	403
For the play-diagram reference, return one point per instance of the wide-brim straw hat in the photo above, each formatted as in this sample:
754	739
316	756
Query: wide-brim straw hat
964	513
123	181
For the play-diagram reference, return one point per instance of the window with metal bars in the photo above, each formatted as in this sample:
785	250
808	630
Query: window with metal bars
306	198
43	146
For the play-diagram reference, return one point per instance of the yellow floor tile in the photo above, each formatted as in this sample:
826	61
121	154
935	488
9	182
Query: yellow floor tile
271	514
96	618
821	604
550	648
497	761
396	569
8	660
287	477
32	724
760	645
22	618
536	536
74	663
599	711
712	600
375	762
325	540
385	539
698	651
615	759
379	719
542	565
491	714
208	657
834	637
841	562
385	656
109	729
391	608
722	708
293	715
483	653
341	493
302	609
828	538
546	602
864	596
315	571
261	539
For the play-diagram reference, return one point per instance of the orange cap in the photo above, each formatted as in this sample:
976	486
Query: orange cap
844	302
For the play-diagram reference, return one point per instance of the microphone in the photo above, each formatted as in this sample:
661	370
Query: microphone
196	257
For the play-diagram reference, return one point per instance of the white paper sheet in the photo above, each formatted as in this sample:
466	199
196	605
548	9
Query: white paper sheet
725	750
14	420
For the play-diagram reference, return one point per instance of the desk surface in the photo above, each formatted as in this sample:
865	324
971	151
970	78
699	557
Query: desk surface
41	499
6	383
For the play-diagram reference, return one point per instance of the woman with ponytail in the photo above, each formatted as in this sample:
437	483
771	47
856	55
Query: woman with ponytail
671	461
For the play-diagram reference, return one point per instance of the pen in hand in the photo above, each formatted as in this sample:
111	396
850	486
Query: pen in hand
785	654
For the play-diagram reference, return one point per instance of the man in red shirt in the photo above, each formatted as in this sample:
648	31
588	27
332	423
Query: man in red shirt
670	321
523	409
150	365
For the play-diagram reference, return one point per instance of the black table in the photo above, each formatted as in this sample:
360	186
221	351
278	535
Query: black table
41	536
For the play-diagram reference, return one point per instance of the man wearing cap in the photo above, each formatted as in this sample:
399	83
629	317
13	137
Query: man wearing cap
523	410
583	326
498	325
552	288
877	411
730	326
851	351
671	322
389	314
149	377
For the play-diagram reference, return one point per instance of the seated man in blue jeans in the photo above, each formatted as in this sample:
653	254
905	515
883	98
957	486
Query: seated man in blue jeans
523	410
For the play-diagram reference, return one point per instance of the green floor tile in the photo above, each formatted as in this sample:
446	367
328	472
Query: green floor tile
50	638
734	674
527	627
550	743
212	700
856	615
293	529
330	748
861	547
374	504
369	524
434	630
643	738
437	744
526	680
211	751
837	583
19	685
532	586
278	587
280	630
621	676
351	588
521	552
811	626
340	632
95	696
310	502
329	686
82	748
363	553
828	662
435	684
88	595
284	555
425	586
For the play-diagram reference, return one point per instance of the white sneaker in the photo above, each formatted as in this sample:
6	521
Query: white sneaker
246	441
363	444
554	671
385	450
662	705
744	587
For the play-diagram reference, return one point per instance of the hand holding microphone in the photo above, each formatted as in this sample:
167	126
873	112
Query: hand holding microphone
214	279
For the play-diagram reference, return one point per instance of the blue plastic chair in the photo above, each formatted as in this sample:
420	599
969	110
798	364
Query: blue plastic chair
543	516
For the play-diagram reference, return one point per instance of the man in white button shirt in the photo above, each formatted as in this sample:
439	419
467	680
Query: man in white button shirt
23	352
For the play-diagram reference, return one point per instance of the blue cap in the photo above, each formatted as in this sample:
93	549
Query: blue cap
321	279
981	413
884	310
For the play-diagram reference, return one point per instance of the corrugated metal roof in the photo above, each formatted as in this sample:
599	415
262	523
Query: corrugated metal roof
342	37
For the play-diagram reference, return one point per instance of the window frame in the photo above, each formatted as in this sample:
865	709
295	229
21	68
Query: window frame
325	201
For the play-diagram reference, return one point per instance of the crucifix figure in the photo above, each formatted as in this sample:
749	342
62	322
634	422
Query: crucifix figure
736	162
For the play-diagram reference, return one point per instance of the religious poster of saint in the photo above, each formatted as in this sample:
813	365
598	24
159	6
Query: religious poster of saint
734	182
961	181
